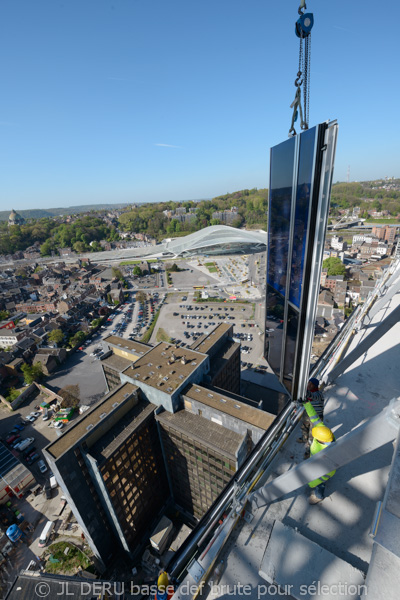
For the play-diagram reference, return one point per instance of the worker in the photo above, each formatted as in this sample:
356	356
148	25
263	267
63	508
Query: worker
316	398
165	591
322	438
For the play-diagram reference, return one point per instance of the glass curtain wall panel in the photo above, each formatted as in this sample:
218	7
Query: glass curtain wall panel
300	182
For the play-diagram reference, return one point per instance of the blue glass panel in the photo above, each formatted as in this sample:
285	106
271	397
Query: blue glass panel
290	347
280	199
274	328
304	184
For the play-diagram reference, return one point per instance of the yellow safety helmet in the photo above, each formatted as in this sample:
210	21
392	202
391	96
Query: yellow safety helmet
162	582
322	434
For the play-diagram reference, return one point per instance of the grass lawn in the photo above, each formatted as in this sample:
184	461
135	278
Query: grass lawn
382	221
162	336
212	269
67	563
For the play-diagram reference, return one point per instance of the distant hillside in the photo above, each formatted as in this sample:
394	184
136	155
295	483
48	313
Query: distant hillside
40	213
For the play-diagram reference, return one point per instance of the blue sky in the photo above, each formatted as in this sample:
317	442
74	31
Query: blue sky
149	100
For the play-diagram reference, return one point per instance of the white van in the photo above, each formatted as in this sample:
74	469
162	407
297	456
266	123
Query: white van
53	482
45	535
24	444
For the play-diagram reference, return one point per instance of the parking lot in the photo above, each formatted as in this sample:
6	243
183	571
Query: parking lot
38	433
186	320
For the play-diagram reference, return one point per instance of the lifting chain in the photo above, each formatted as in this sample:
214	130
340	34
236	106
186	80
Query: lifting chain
302	104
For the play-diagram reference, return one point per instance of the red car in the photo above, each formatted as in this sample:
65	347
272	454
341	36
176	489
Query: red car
12	439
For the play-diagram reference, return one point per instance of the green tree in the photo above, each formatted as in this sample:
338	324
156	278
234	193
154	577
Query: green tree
77	338
117	273
4	314
46	248
12	395
137	271
95	322
334	266
56	336
79	247
32	373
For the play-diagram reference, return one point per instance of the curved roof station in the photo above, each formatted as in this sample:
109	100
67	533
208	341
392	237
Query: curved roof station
217	239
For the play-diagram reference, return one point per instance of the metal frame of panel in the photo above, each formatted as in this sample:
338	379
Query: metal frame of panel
306	258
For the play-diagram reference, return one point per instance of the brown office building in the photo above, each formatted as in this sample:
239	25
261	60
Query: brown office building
206	442
158	435
109	465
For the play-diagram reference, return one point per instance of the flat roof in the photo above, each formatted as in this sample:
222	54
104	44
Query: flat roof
116	362
204	344
166	363
110	442
130	345
205	432
12	471
231	406
75	432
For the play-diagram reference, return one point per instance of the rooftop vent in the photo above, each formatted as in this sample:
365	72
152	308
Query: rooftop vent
197	390
183	360
169	389
166	378
237	405
194	363
149	364
151	373
171	372
180	376
137	375
90	426
210	395
103	415
116	404
158	367
145	377
126	395
162	353
222	400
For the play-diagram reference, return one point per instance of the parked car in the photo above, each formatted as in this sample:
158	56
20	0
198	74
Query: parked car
31	459
59	425
12	438
47	491
30	419
29	453
42	466
35	414
24	444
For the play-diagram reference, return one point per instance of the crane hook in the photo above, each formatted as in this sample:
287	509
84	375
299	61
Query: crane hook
302	7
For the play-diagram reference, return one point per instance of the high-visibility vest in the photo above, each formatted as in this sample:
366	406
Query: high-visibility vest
312	414
317	446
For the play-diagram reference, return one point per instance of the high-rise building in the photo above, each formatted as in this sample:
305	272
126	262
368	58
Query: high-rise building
109	465
206	442
163	432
